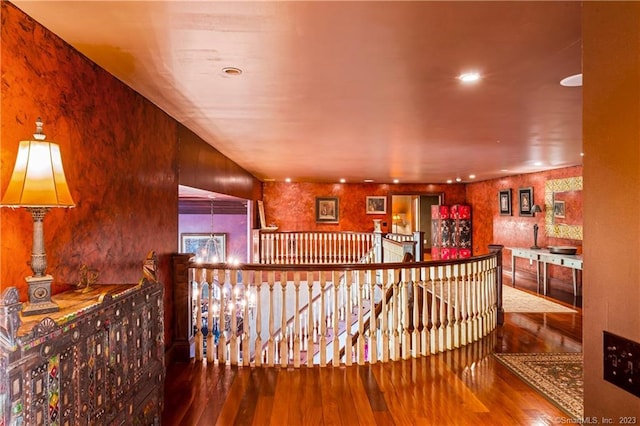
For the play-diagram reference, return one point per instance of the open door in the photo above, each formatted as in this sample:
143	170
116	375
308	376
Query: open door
411	213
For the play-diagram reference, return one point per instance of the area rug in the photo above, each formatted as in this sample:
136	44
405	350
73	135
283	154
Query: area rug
514	300
557	376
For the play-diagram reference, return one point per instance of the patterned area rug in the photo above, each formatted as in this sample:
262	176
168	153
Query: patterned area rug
514	300
557	376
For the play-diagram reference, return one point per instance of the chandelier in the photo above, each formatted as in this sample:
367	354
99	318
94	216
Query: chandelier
216	296
210	252
224	302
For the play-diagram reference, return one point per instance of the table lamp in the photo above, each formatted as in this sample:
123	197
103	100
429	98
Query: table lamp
38	184
535	209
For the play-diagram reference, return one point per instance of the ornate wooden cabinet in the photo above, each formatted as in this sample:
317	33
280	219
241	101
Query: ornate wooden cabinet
451	232
99	360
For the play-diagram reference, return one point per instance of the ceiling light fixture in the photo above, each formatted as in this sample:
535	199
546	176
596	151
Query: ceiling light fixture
572	81
396	181
343	180
469	77
458	179
472	176
368	180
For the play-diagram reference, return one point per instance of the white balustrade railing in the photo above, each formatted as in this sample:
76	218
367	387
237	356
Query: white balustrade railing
331	315
294	248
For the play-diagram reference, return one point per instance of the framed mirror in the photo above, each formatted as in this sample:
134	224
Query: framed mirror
563	208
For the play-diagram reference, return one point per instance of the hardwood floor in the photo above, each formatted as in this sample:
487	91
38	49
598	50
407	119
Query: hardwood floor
465	386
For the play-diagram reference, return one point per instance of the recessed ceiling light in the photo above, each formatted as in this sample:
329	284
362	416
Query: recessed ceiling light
231	71
368	180
572	81
472	176
343	180
538	163
469	77
396	181
458	179
287	180
449	181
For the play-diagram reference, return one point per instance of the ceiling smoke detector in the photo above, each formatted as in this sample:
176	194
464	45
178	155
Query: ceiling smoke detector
231	71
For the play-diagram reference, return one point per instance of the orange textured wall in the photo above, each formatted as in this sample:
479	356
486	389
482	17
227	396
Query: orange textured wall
119	152
489	227
291	206
611	132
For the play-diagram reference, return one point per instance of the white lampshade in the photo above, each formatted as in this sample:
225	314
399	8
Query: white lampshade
38	178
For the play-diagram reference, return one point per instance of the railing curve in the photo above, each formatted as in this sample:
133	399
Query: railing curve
296	315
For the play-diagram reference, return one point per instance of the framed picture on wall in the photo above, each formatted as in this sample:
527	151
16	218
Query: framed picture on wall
376	205
558	209
327	209
504	202
201	244
525	195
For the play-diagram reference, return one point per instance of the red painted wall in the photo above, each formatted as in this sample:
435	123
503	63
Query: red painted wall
119	152
204	167
291	206
490	227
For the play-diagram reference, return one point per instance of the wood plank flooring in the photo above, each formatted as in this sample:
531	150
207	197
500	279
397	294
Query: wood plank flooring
462	387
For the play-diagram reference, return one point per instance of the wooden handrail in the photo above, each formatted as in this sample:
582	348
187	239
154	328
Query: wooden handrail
462	307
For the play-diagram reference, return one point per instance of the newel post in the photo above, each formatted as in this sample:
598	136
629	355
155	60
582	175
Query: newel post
377	244
183	337
418	249
497	249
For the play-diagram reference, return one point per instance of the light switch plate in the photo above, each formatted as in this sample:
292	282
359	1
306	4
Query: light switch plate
622	362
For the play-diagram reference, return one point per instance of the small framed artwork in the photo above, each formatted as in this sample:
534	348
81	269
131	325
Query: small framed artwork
327	209
558	209
202	244
525	196
504	201
377	205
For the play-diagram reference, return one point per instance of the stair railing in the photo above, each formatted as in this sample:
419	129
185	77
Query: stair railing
455	304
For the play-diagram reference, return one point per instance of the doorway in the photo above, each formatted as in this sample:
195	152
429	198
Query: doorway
412	213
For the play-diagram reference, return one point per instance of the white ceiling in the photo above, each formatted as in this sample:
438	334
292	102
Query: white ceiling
354	90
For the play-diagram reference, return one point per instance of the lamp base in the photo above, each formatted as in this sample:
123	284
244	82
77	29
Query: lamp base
39	296
535	248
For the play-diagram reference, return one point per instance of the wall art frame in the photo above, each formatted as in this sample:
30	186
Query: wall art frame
376	204
504	202
196	242
558	209
525	203
327	210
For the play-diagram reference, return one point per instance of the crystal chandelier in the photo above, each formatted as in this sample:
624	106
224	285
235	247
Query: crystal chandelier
210	252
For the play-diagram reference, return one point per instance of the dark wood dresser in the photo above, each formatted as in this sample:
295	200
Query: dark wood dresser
99	360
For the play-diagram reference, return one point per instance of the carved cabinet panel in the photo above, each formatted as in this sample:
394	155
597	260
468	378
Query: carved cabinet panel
99	360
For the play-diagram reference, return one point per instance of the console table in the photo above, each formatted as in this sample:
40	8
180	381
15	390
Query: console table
544	257
99	360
